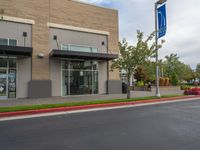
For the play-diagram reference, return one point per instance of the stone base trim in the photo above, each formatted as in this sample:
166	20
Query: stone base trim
39	89
114	87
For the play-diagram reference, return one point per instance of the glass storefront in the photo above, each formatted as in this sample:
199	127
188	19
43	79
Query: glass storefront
3	82
9	42
78	48
79	77
7	77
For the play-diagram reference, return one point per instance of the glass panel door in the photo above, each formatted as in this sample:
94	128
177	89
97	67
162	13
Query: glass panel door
7	78
3	83
80	82
79	77
12	83
65	83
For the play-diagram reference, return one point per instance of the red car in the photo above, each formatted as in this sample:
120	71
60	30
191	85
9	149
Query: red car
192	91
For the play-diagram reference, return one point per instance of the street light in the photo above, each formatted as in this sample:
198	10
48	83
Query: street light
156	42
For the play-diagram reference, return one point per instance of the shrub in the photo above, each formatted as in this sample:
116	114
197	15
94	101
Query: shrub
161	81
140	84
166	82
185	87
186	92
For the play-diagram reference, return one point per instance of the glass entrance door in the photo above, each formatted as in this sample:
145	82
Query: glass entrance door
12	83
3	83
80	82
79	77
7	78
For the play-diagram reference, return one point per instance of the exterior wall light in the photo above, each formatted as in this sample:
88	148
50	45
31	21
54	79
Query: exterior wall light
56	39
24	35
40	55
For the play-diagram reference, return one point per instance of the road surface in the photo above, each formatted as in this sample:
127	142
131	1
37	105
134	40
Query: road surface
172	126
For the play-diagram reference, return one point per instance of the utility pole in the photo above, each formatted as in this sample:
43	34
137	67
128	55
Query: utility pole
156	42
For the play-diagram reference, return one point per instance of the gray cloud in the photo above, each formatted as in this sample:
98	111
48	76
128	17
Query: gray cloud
183	19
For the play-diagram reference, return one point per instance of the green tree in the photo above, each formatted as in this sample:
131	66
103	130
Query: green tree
150	71
133	56
198	71
187	73
139	74
171	64
174	79
174	67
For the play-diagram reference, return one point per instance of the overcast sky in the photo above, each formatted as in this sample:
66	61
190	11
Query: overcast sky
183	22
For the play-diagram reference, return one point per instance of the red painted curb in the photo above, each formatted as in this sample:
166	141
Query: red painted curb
70	108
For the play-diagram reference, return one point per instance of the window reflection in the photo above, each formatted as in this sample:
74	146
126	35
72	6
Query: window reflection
79	77
8	42
79	48
3	62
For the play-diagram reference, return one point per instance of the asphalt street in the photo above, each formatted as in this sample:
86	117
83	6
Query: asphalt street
172	126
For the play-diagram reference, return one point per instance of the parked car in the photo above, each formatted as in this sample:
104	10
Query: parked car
192	91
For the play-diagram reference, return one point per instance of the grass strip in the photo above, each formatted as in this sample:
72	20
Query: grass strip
83	103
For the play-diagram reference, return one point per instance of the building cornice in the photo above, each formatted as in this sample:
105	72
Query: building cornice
16	19
80	29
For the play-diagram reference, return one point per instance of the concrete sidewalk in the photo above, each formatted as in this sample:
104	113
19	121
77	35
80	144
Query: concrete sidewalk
56	100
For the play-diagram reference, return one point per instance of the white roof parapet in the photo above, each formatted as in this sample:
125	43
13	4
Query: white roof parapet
67	27
16	19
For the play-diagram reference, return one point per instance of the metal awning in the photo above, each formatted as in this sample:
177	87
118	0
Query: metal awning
82	55
15	50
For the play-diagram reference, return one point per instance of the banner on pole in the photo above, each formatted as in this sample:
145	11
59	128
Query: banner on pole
162	21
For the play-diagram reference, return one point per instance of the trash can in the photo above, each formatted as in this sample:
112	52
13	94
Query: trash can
124	88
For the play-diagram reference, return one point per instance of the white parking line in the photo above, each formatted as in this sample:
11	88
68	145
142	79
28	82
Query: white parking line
91	110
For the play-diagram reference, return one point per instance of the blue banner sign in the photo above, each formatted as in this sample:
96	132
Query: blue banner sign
162	21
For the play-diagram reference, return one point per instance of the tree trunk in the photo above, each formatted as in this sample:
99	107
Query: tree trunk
128	88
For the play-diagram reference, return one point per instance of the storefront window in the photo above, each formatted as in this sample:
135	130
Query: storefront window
12	63
80	77
8	78
95	65
80	82
65	64
79	48
81	65
95	82
12	42
8	42
3	41
64	47
3	62
65	84
95	50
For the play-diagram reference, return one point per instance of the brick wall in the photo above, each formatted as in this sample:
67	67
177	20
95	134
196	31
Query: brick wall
65	12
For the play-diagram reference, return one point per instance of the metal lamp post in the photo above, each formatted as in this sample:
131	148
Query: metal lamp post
156	42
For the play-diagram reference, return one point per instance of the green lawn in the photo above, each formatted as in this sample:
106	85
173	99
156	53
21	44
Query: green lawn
68	104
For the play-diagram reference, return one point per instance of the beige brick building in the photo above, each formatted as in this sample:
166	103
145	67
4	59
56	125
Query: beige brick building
57	48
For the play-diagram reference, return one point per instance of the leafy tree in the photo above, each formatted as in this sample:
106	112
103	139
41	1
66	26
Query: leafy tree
174	79
133	56
194	76
139	74
173	66
150	71
187	73
198	71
